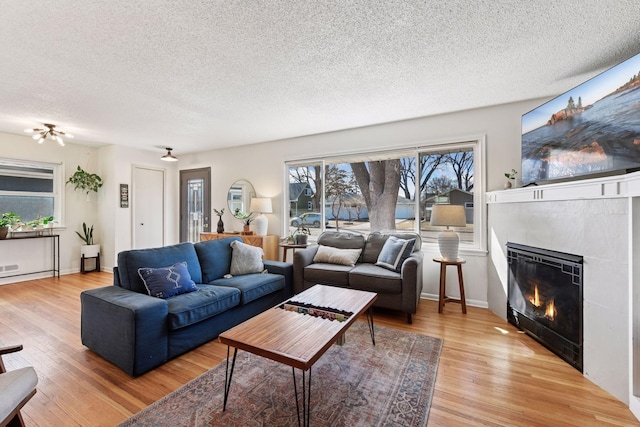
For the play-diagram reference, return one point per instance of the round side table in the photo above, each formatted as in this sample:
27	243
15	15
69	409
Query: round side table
443	283
286	246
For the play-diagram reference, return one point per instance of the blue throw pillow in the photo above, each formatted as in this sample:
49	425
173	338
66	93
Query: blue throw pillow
394	252
165	282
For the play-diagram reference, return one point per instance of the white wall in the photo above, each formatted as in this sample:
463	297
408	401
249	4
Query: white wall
112	224
263	166
35	254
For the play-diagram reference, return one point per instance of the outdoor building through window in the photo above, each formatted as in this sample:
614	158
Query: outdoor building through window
388	191
30	189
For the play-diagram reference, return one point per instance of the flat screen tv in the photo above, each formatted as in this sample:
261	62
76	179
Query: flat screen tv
591	129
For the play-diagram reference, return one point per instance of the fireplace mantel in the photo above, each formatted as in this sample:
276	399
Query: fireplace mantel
617	186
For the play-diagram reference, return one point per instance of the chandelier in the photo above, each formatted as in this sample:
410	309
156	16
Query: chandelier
48	131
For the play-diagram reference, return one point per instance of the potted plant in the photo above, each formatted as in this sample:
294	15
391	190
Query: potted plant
11	220
301	235
4	226
511	176
85	181
89	249
246	218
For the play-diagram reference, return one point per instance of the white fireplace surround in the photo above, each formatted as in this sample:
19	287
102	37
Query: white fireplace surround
600	220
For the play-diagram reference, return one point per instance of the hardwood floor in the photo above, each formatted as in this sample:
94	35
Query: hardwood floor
489	373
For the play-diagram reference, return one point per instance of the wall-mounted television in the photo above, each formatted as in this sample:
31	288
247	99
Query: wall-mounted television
591	129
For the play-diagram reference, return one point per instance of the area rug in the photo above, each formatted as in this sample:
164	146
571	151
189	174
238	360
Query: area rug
356	384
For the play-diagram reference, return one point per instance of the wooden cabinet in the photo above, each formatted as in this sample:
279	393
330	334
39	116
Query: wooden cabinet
269	243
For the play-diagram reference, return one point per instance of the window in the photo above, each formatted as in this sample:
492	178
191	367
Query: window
395	190
31	189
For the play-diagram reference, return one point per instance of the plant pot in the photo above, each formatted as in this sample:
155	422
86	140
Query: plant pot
3	232
301	239
89	251
507	185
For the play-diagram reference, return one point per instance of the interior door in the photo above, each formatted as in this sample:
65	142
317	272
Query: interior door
148	207
195	203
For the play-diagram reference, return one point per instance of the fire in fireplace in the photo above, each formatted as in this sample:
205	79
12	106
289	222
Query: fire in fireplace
545	298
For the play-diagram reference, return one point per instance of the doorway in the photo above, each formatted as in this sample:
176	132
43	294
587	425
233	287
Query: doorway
148	207
195	203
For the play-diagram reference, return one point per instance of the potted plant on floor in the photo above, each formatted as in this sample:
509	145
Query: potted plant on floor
89	249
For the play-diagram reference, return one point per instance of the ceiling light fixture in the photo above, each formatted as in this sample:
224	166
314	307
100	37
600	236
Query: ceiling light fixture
49	130
169	157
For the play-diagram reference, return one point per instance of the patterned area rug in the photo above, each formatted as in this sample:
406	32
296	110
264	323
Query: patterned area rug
356	384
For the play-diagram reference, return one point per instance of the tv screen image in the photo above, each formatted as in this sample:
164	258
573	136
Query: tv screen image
591	129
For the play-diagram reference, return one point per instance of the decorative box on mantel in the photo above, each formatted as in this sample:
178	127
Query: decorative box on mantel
268	243
596	188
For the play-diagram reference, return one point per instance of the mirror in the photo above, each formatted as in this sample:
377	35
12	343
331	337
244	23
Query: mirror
239	197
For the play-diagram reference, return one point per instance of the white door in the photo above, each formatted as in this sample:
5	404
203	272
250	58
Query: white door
148	207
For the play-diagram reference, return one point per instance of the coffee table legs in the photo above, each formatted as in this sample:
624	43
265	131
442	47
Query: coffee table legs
228	375
306	397
370	323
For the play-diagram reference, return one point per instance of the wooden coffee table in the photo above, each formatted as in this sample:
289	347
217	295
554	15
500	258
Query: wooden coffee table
296	339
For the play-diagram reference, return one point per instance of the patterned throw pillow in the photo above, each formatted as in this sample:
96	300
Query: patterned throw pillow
245	259
165	282
331	255
394	252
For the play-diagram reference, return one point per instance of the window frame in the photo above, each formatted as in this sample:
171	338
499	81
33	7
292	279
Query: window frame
476	142
58	185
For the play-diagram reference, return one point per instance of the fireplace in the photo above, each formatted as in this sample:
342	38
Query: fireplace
545	298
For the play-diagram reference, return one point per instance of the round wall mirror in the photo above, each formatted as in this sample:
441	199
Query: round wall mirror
239	198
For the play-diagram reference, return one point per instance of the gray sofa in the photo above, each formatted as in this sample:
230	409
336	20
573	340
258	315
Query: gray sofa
396	290
138	332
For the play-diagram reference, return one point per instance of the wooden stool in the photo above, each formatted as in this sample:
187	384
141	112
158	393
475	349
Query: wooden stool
443	283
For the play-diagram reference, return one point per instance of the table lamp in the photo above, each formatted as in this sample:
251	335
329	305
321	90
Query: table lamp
261	205
448	240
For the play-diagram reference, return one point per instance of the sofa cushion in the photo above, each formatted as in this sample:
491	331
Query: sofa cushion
370	277
331	255
341	240
209	300
331	274
394	252
245	259
215	257
253	286
165	282
130	261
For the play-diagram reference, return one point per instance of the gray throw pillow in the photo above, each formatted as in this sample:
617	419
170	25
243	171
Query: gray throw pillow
394	252
245	259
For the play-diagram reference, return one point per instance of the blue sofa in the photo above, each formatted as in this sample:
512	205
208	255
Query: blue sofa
138	332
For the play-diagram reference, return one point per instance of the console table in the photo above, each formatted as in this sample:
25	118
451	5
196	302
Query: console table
55	253
269	243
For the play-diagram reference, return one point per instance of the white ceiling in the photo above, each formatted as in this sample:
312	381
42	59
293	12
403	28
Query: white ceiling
202	74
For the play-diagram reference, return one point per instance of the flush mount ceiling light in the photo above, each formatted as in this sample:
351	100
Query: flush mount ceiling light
48	131
169	157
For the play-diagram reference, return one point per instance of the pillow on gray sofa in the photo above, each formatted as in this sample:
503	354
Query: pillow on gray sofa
165	282
331	255
394	252
245	259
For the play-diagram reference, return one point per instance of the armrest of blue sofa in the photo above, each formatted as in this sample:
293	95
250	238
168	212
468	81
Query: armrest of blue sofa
127	328
284	268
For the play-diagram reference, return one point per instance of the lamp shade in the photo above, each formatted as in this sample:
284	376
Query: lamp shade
448	216
261	205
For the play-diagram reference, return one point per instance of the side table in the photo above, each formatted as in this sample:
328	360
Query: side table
286	246
443	283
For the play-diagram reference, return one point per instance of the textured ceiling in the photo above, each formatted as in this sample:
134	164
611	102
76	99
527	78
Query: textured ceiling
199	75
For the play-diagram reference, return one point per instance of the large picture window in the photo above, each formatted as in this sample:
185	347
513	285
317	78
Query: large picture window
389	191
31	189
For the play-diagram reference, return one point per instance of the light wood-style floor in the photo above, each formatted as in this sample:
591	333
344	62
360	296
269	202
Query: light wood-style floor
489	373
